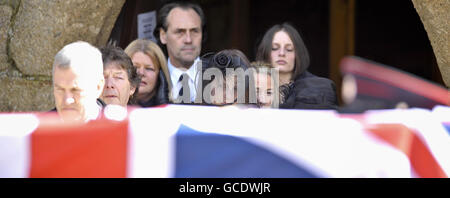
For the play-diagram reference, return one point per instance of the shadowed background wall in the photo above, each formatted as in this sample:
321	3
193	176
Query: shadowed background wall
31	32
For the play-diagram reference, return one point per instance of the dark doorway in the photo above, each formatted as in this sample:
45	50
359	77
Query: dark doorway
389	32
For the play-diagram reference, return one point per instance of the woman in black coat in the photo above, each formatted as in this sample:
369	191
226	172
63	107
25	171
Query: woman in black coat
283	47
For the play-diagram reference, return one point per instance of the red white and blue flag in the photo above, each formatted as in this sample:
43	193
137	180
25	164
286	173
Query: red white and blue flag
195	141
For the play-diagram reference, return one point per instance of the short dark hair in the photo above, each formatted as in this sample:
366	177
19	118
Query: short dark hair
110	54
302	58
163	13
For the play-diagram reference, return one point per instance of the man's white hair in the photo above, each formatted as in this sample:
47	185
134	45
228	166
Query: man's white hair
81	57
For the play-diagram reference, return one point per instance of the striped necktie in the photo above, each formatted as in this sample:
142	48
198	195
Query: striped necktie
182	85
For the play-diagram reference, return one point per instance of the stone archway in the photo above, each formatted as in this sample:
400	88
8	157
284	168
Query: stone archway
31	32
435	16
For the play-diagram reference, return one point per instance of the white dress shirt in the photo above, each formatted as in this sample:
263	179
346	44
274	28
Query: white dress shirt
175	74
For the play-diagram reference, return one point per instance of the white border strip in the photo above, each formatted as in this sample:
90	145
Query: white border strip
15	144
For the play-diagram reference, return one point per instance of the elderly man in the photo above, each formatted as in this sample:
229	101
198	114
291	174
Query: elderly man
78	82
121	78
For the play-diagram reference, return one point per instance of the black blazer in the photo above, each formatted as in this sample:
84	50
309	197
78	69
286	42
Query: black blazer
310	92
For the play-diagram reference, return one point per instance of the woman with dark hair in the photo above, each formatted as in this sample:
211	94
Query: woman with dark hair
227	82
283	47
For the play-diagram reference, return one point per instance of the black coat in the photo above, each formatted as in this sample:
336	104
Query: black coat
162	94
310	92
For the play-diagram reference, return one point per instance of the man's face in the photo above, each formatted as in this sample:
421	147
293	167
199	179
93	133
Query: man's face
183	37
117	88
73	94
